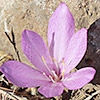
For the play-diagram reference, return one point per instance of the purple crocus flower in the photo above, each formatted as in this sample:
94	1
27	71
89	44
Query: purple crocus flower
66	49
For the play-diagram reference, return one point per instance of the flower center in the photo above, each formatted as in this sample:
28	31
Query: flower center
54	76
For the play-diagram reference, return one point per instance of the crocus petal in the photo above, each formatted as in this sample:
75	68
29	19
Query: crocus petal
22	75
51	90
79	78
76	50
61	28
35	48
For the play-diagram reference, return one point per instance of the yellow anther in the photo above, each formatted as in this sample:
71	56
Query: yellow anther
43	59
51	79
63	72
43	73
53	59
63	62
50	76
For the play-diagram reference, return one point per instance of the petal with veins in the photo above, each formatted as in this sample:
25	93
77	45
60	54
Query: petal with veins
76	50
35	48
79	78
60	29
51	90
22	75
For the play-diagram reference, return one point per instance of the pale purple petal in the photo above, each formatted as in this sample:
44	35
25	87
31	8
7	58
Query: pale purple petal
60	29
51	90
22	75
76	50
34	48
80	78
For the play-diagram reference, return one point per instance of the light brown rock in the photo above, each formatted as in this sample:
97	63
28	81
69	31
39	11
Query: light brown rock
35	14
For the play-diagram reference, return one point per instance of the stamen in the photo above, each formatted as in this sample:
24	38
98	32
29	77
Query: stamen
63	72
53	59
65	69
43	59
45	64
55	75
57	66
63	62
56	63
50	76
52	79
46	76
43	73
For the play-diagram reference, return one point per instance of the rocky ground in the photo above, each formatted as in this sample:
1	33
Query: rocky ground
34	15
